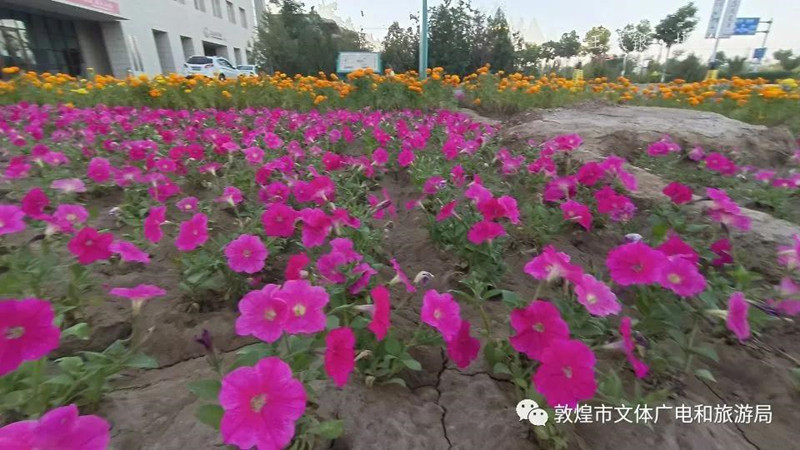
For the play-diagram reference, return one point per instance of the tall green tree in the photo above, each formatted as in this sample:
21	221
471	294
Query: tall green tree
787	59
569	45
675	29
597	41
401	48
634	38
450	36
503	54
529	57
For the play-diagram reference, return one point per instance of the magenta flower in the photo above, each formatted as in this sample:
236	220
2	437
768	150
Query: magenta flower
789	255
722	248
619	207
726	211
560	188
278	220
304	305
68	216
90	246
634	263
246	254
442	312
406	157
447	211
68	185
737	316
316	227
261	405
401	277
463	348
719	163
675	246
231	195
60	428
129	252
578	213
663	146
152	223
340	355
34	203
536	326
99	170
566	375
341	255
596	296
193	233
187	204
590	173
262	314
27	332
381	312
12	219
697	153
484	231
364	272
682	277
567	142
138	295
295	268
629	347
678	193
551	265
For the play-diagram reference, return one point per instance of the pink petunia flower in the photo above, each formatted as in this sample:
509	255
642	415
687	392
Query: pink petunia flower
230	195
678	193
305	304
187	204
262	314
138	295
261	405
719	163
675	246
536	326
68	185
340	355
697	153
99	170
722	248
27	332
590	173
341	254
560	188
193	233
401	277
619	207
316	227
663	146
442	312
278	220
447	211
89	245
551	265
634	263
129	252
406	157
484	231
152	223
12	219
681	277
737	316
726	211
381	312
566	375
789	255
60	428
67	216
462	348
295	268
246	254
596	296
34	203
578	213
629	347
364	272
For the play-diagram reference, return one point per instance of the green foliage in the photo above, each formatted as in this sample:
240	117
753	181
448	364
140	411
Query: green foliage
635	38
597	41
788	61
499	42
676	27
401	48
569	45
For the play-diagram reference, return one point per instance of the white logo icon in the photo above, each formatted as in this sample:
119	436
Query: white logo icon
529	409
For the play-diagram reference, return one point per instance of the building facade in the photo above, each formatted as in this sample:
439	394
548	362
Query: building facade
122	36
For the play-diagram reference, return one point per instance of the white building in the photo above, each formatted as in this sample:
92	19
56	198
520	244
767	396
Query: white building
117	36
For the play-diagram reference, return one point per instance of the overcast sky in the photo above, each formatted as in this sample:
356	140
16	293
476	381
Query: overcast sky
554	17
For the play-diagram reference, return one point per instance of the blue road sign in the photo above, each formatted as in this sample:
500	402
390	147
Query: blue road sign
746	26
759	53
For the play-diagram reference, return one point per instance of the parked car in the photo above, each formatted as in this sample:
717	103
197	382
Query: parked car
209	66
247	71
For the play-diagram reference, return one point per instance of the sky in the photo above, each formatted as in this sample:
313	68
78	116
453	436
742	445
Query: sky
551	18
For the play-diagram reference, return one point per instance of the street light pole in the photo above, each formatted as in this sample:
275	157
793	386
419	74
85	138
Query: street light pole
423	42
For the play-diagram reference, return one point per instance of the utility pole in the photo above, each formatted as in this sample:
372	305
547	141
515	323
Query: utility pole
423	43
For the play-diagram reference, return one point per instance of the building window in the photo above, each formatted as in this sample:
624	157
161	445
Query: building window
231	12
200	5
216	8
164	51
237	56
38	42
243	17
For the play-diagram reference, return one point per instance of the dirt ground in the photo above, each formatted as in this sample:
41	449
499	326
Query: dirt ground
445	408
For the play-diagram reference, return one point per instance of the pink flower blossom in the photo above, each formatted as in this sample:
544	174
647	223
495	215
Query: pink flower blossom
462	348
262	314
719	163
567	142
406	157
381	312
663	146
230	195
138	295
68	185
447	211
596	296
261	405
566	375
193	233
12	219
341	255
187	204
737	316
295	268
304	305
477	192
681	277
590	173
485	230
726	211
722	248
578	213
674	246
634	263
89	245
618	206
278	220
789	255
60	428
364	272
678	193
27	332
99	170
560	188
401	277
246	254
536	327
152	223
551	265
34	203
442	312
629	347
340	355
68	216
316	227
697	154
129	252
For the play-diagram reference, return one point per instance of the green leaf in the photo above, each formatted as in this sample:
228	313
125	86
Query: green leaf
393	346
70	364
501	368
205	389
412	363
329	429
142	361
396	380
708	352
705	374
80	331
333	322
210	415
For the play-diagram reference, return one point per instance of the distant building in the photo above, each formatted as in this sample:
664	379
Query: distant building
118	36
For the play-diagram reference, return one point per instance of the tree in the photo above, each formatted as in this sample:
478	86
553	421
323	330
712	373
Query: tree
530	56
450	36
634	38
569	45
499	41
785	57
736	65
549	51
597	41
675	29
401	48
